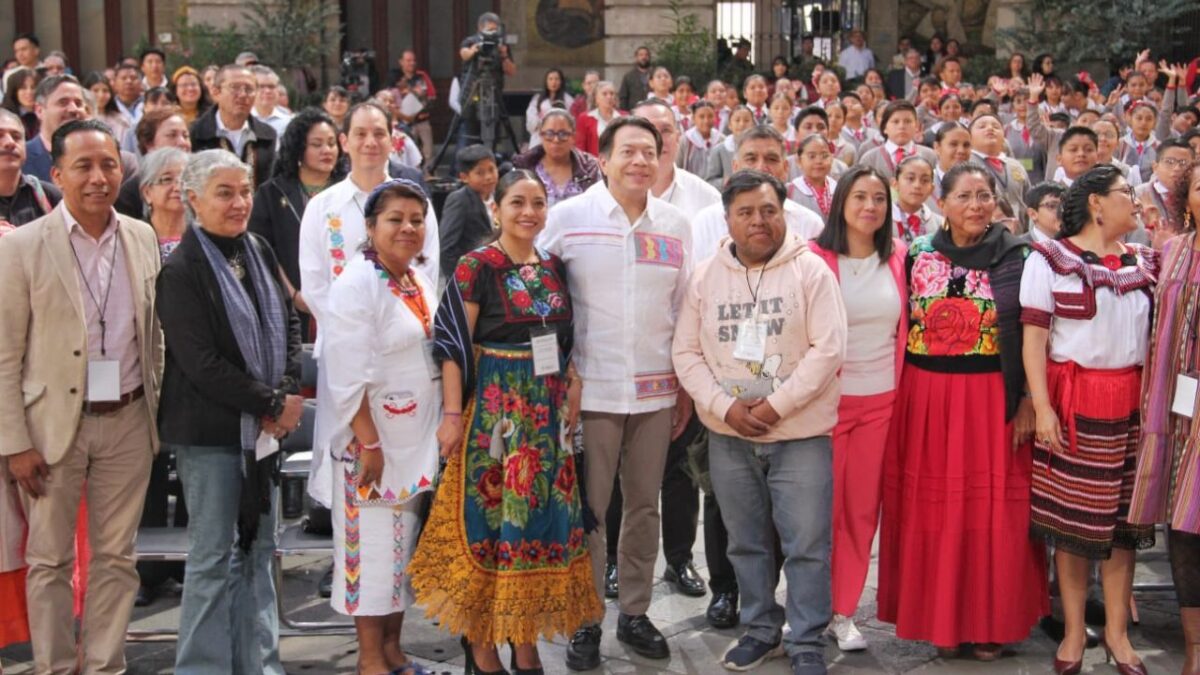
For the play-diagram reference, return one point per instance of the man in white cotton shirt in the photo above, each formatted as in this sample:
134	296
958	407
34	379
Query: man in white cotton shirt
759	148
331	233
857	58
628	256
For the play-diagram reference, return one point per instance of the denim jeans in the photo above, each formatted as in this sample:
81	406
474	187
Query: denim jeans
228	621
787	485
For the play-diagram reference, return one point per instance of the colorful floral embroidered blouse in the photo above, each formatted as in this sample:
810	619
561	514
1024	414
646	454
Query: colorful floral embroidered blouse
953	311
513	299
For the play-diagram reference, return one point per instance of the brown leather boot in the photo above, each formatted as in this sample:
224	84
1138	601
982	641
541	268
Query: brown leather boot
1190	618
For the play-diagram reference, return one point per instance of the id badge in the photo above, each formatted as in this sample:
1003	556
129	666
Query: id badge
545	351
104	381
1185	395
751	341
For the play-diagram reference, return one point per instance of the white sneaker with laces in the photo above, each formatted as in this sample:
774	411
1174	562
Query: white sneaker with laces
849	639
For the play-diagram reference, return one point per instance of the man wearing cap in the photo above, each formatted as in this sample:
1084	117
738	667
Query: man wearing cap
740	67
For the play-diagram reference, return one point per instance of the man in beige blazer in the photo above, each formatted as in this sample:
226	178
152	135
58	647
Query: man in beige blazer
80	366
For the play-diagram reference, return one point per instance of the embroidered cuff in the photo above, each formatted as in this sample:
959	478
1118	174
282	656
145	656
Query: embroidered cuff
1036	317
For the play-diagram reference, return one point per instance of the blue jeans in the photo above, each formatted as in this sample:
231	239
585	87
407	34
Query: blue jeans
788	484
228	621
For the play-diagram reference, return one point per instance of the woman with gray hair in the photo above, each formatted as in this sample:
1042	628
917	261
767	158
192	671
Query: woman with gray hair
228	394
158	183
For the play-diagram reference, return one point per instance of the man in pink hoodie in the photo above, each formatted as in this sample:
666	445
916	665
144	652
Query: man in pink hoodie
760	338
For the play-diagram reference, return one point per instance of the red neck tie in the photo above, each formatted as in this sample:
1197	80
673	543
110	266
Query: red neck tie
824	199
1140	148
996	164
914	224
858	134
1025	135
899	156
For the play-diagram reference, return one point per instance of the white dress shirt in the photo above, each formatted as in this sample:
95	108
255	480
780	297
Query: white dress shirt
709	227
690	193
627	282
277	120
856	61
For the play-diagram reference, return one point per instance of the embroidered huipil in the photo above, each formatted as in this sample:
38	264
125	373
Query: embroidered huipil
627	284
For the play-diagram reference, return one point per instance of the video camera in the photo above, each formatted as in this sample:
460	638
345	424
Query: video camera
356	69
489	47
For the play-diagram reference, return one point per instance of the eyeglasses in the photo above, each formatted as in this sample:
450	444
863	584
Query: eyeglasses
1175	163
1050	205
242	89
981	198
556	135
1128	190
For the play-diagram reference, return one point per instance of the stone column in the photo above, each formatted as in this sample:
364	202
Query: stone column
629	24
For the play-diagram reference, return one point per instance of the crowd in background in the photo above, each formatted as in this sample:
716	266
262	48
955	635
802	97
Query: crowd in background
875	300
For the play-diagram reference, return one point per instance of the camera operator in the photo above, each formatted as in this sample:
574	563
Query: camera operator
486	62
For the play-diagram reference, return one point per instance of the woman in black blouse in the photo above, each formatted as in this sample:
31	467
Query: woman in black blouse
309	161
522	570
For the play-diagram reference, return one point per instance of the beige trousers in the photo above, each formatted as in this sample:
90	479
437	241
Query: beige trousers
638	445
111	457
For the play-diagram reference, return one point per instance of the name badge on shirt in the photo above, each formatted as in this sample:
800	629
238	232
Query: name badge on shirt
1185	395
104	380
751	341
545	351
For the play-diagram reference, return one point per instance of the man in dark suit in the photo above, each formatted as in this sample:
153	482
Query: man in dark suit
901	81
466	220
230	126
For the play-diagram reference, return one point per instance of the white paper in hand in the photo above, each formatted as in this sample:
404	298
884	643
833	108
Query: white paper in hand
266	446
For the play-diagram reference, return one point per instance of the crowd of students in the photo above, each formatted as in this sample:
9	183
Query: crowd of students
957	317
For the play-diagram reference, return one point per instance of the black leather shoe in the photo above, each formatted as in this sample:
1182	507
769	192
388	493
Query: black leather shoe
642	636
610	581
723	610
686	579
145	596
584	651
325	586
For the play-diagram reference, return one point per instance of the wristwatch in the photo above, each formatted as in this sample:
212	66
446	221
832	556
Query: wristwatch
277	401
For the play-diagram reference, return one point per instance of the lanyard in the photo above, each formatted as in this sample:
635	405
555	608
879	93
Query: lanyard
101	305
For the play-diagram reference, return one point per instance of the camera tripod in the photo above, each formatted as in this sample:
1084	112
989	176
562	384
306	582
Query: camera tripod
484	101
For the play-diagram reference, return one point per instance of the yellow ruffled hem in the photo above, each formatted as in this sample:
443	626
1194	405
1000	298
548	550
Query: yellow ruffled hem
486	606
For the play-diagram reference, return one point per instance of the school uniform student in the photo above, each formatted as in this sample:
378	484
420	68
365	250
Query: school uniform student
1139	146
699	140
900	129
987	146
814	188
720	158
911	214
1173	158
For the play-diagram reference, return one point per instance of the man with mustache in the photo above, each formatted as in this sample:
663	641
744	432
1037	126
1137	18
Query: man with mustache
58	100
79	376
636	83
22	197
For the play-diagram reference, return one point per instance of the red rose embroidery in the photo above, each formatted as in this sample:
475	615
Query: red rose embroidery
520	469
492	396
1112	262
549	282
491	487
951	327
521	299
566	478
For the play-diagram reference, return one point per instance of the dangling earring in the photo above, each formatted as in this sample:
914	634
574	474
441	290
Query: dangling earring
1099	220
1187	220
946	224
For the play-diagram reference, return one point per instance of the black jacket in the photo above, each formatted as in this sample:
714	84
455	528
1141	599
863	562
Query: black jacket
258	152
278	207
205	384
464	225
26	205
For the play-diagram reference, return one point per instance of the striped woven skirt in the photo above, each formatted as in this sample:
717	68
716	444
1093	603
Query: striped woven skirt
1080	498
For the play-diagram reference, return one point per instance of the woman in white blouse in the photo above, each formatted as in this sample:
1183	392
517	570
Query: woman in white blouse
1085	306
552	95
387	394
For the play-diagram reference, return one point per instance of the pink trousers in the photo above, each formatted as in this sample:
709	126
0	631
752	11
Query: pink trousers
859	440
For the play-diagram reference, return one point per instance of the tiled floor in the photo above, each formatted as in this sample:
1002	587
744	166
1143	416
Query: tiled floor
695	648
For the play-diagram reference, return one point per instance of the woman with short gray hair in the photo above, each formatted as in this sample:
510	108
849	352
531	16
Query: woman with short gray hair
228	394
159	184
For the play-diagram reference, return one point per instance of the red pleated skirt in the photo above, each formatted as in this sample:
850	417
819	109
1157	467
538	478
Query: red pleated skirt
956	563
14	614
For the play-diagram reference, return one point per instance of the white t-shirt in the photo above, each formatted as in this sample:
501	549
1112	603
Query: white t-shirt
872	314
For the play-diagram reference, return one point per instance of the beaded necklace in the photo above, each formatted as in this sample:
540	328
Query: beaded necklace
412	297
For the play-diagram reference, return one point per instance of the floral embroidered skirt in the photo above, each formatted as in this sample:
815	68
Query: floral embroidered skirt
503	555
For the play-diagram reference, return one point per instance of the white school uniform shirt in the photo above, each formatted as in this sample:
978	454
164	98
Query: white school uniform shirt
628	282
694	155
709	227
1046	109
801	193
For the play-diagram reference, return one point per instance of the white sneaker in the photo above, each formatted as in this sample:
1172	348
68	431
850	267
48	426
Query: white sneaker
848	637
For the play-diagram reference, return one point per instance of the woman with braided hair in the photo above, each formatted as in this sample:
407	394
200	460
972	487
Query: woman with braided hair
1086	303
1168	472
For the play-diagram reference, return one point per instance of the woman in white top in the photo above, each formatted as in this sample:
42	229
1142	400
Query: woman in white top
869	263
552	95
1086	302
387	395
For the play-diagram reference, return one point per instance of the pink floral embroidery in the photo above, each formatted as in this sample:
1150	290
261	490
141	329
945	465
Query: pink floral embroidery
930	276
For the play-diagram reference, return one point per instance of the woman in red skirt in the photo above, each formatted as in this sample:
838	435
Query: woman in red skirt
956	564
1086	300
